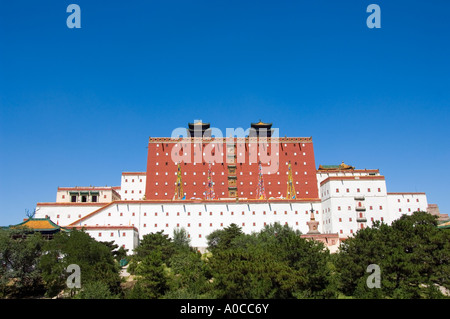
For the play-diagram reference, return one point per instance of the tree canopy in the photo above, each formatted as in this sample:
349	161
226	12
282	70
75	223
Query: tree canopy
412	253
273	263
412	257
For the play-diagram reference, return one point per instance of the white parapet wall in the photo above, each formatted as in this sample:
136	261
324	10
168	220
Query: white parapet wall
406	203
66	213
200	218
132	185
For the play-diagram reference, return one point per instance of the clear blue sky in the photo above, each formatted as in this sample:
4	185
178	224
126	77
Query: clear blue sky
77	105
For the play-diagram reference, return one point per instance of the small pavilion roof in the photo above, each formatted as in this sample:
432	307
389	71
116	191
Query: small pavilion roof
261	124
342	166
38	224
444	225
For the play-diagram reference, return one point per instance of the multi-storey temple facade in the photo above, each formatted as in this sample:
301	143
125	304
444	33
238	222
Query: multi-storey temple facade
203	182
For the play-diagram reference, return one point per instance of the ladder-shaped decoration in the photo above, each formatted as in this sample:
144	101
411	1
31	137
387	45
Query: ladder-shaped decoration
179	194
290	194
260	191
209	193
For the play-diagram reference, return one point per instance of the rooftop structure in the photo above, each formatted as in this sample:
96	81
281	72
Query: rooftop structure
340	167
261	129
199	129
90	194
42	225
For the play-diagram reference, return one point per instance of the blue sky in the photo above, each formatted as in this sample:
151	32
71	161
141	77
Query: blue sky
77	105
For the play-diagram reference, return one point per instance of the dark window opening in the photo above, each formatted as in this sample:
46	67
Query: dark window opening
73	199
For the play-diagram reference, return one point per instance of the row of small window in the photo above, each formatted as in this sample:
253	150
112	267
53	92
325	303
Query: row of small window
214	145
351	230
240	157
112	234
132	191
223	193
68	216
347	190
409	210
214	184
211	224
199	214
327	210
407	200
350	219
211	213
371	208
213	163
240	173
240	154
349	207
83	198
132	180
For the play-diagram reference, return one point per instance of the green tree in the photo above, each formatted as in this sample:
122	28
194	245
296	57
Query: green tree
95	290
149	243
118	252
95	259
181	240
308	257
20	252
121	254
222	238
274	263
412	253
252	272
155	241
151	277
189	276
278	232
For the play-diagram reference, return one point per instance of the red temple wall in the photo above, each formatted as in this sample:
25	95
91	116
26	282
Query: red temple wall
162	169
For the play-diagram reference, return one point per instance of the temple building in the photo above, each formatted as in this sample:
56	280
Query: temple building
202	181
235	164
41	225
87	194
